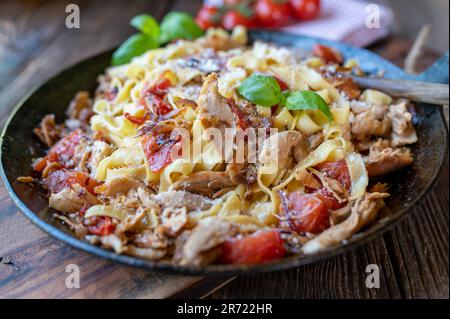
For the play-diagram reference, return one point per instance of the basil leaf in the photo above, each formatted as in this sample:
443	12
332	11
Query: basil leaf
308	100
147	25
262	90
179	25
135	45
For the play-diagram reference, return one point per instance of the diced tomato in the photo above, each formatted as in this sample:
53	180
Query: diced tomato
305	212
63	152
329	55
135	120
305	9
158	150
61	179
283	85
153	97
208	17
242	119
273	13
329	199
101	225
336	170
257	248
40	164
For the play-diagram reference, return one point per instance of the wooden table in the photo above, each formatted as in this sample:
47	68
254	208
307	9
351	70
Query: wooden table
34	44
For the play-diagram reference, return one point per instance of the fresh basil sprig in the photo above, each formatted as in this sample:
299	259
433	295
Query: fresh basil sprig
308	100
147	25
265	90
262	90
179	25
175	25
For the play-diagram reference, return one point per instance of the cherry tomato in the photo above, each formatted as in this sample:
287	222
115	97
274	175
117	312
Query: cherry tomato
63	152
329	55
232	2
207	17
336	170
305	9
305	212
234	18
101	225
257	248
272	13
61	179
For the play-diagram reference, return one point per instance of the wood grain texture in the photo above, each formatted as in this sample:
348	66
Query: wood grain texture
34	44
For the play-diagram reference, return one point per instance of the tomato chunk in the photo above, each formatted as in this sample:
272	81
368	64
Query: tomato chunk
135	120
329	55
101	225
305	212
63	152
336	170
158	150
61	179
257	248
153	97
329	199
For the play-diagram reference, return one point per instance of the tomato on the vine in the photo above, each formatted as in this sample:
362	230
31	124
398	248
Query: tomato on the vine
234	18
305	9
272	13
208	17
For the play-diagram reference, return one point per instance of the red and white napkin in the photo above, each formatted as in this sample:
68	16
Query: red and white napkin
343	20
359	23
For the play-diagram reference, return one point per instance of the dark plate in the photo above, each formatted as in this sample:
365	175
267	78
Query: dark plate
19	147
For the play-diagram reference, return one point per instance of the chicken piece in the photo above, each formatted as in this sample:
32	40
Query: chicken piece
118	185
214	112
48	132
146	253
151	239
80	111
210	233
71	200
133	223
403	131
242	173
173	220
341	82
205	183
99	151
280	147
112	242
363	212
372	122
212	106
66	201
183	198
383	161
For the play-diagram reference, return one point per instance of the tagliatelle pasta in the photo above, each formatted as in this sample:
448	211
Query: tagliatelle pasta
173	160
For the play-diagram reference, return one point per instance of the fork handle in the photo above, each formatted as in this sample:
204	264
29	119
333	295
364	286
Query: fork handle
432	93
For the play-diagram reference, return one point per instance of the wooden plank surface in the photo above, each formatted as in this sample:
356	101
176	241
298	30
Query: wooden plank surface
34	44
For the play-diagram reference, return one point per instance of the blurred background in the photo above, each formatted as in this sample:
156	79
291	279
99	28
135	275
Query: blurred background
35	42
